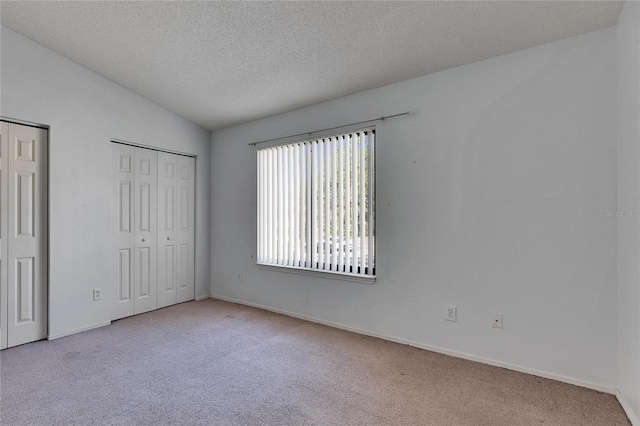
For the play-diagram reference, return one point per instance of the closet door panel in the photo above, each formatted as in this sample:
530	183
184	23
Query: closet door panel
26	236
145	225
167	253
152	210
186	228
122	231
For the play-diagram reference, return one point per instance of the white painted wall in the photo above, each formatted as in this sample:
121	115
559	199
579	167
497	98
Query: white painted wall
85	111
628	112
491	197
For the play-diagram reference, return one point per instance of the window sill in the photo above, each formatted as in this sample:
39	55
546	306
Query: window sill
318	273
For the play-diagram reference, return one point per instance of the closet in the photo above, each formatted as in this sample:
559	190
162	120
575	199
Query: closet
152	229
23	234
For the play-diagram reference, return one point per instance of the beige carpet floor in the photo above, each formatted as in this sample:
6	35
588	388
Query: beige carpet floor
217	363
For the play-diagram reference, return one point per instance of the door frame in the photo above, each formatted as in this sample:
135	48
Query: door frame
47	209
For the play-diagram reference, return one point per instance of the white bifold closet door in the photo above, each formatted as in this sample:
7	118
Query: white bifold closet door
23	232
176	177
152	229
134	237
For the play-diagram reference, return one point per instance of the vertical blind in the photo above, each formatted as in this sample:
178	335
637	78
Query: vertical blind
316	204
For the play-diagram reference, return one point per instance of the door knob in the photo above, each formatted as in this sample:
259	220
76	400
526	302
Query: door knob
168	238
143	240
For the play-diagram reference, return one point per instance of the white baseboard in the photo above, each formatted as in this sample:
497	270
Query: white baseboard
627	409
558	377
80	330
199	298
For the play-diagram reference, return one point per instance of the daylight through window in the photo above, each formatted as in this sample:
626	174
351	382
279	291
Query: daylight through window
316	204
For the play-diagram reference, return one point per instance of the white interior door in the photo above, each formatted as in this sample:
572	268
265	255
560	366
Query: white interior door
26	233
185	227
152	236
122	229
145	246
176	191
167	242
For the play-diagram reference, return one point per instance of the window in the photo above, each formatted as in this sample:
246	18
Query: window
316	204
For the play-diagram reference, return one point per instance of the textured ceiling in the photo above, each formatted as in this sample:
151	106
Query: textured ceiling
223	63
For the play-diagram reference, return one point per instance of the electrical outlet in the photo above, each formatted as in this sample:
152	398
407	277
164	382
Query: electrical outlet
97	294
450	313
496	320
239	277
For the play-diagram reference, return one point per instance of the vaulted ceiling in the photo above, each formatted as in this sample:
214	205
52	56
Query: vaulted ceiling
224	63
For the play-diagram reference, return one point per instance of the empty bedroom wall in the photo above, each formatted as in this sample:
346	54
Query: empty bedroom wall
491	196
85	111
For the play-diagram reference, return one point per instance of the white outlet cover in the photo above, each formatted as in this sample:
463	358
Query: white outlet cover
450	313
496	320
